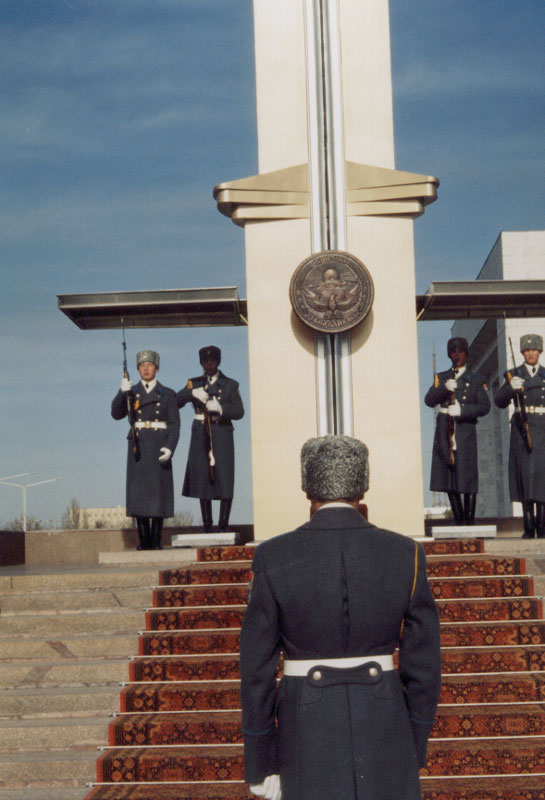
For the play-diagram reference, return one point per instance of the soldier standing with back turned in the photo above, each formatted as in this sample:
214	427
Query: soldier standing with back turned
526	387
462	397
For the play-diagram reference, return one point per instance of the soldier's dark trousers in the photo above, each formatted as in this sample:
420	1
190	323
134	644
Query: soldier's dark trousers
156	531
455	499
470	501
206	511
144	533
529	518
225	510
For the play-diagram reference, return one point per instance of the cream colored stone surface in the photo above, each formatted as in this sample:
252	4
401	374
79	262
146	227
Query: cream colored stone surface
282	365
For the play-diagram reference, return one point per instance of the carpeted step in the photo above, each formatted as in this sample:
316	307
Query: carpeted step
489	659
446	547
202	574
230	616
442	588
438	566
516	719
189	618
480	634
183	763
174	791
182	642
493	610
184	727
441	567
202	695
509	688
489	586
182	696
224	726
497	634
208	595
225	666
486	756
186	668
506	787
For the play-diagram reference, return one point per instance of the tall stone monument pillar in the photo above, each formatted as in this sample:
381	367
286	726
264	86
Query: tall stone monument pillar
327	182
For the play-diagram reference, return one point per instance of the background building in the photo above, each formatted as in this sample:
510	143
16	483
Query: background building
516	255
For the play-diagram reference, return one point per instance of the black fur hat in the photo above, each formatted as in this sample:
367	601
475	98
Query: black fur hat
212	352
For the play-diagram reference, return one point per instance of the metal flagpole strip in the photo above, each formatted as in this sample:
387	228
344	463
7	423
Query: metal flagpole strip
327	200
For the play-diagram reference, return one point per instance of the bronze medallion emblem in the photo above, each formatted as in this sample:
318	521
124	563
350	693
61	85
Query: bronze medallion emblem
331	291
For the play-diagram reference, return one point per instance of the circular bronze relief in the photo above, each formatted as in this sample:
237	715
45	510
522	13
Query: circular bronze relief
331	291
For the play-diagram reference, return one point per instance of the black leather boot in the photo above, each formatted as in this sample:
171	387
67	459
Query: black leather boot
156	531
225	510
470	501
143	533
529	519
540	520
206	511
455	499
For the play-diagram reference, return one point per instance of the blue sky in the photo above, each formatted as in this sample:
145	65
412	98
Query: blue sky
118	118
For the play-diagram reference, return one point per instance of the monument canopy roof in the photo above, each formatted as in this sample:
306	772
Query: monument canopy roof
487	299
169	308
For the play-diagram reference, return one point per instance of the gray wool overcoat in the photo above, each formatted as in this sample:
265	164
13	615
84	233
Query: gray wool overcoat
472	395
338	587
196	481
150	486
526	468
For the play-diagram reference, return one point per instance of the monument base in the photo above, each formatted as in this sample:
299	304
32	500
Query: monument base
464	532
204	539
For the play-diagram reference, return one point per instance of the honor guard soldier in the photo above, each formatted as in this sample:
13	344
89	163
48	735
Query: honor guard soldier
525	386
210	472
155	429
462	397
337	596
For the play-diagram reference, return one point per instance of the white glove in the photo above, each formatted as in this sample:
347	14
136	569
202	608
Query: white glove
126	385
200	394
269	789
165	454
454	410
517	383
213	405
451	384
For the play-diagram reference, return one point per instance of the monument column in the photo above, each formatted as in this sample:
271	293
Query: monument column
327	181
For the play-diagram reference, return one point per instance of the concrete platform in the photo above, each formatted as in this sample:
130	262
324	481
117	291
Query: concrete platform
464	532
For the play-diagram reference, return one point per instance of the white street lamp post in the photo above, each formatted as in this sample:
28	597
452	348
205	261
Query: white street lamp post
26	486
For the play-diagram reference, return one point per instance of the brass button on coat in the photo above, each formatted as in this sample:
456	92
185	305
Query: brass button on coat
373	672
317	675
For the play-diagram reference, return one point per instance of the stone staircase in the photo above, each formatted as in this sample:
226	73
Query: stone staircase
68	636
65	639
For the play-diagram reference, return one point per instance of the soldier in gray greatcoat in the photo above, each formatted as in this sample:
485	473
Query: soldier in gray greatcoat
337	596
150	486
527	455
210	472
462	397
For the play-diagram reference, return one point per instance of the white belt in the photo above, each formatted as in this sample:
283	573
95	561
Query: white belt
535	409
443	410
151	424
299	668
200	417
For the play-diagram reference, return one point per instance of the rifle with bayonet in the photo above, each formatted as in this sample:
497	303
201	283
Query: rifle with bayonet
520	406
135	444
451	428
209	443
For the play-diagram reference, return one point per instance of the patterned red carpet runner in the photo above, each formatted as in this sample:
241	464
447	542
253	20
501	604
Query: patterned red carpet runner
178	734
